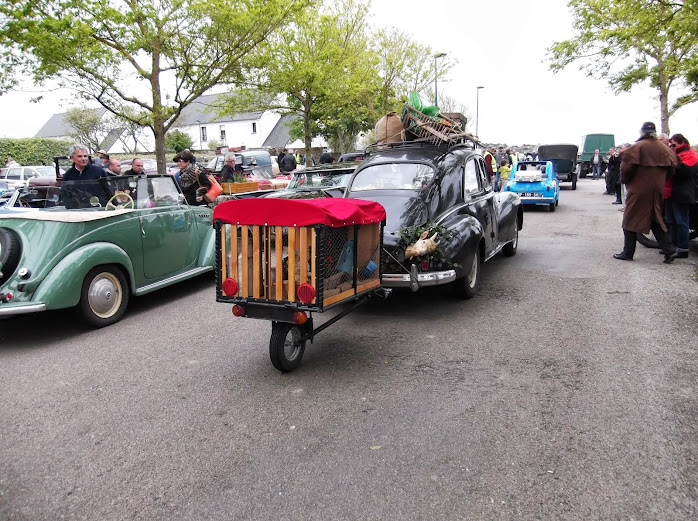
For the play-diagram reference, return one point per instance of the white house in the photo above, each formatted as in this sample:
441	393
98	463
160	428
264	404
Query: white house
262	129
201	120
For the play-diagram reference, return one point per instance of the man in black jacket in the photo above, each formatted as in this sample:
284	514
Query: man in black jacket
287	163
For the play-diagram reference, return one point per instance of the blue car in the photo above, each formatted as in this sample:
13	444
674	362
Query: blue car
535	182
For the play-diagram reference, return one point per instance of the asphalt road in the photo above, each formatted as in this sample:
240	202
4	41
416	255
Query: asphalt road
566	389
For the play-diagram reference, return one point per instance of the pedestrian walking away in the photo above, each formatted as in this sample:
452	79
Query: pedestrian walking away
643	170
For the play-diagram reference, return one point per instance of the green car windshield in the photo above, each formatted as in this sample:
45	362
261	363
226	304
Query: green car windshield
319	180
107	193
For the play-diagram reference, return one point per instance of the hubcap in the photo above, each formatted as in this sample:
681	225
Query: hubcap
104	295
291	344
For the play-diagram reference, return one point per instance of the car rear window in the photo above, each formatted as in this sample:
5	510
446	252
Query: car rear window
393	176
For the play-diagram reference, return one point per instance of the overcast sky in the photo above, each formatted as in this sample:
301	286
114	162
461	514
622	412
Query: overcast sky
500	45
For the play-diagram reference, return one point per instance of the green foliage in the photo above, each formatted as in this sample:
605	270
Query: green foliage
629	42
176	141
32	151
86	127
111	52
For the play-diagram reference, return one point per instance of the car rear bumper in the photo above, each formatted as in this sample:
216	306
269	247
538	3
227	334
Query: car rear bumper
20	308
537	200
428	278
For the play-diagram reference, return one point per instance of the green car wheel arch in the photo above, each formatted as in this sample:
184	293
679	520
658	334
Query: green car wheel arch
62	287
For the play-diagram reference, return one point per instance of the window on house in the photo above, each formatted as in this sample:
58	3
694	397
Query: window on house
203	134
254	127
222	127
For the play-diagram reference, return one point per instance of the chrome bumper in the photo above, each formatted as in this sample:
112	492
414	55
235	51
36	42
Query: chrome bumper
20	309
416	280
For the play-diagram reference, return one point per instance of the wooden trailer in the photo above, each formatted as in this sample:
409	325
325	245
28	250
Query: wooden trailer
283	259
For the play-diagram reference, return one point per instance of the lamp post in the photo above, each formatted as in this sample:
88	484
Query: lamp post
477	110
198	129
436	74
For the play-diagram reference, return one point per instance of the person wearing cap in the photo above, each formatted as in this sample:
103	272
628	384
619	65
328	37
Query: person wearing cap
644	169
194	183
102	159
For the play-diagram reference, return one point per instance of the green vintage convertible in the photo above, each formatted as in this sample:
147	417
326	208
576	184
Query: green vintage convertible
93	244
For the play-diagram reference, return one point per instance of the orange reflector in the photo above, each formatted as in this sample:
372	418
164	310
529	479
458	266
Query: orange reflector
230	287
299	317
238	310
306	293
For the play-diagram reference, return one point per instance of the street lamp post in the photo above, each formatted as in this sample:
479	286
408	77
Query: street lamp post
198	129
477	110
436	74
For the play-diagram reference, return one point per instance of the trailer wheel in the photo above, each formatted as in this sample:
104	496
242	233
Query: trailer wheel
285	348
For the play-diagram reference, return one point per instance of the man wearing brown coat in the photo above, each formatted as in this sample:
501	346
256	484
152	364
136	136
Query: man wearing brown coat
643	170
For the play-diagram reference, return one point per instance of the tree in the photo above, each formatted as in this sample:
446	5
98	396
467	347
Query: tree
176	141
405	66
629	42
86	127
319	69
142	60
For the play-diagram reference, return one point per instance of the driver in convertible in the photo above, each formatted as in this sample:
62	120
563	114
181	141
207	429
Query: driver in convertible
81	182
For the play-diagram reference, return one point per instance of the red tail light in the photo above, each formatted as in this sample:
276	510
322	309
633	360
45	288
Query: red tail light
238	310
299	317
230	287
425	265
306	293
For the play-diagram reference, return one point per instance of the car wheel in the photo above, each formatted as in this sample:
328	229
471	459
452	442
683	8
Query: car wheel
468	286
648	240
104	296
509	249
552	207
10	252
285	348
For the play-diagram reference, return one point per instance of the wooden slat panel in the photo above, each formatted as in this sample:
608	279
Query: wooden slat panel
304	255
279	259
245	282
340	296
267	255
256	262
313	260
368	285
291	295
234	254
224	257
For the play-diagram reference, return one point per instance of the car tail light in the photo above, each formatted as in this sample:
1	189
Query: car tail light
239	311
306	293
230	287
5	297
299	317
425	265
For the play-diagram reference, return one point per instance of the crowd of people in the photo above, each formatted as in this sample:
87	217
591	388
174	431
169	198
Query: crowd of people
660	175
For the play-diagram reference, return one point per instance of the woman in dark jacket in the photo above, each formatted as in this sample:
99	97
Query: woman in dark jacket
682	195
194	183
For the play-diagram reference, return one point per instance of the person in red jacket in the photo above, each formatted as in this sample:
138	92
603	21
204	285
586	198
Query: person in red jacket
680	194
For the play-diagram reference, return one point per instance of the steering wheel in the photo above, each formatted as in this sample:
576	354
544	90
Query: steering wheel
111	206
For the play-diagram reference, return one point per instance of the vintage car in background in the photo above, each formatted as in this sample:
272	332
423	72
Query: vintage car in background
96	243
564	159
352	156
18	176
444	189
329	180
535	182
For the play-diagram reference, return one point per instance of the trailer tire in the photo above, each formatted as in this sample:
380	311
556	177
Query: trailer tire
285	350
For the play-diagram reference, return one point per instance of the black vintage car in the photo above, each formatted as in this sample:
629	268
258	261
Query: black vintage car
443	189
564	157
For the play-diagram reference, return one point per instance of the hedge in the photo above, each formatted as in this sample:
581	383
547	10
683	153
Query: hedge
32	151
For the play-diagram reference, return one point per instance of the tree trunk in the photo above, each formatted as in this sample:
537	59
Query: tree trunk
663	101
307	138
